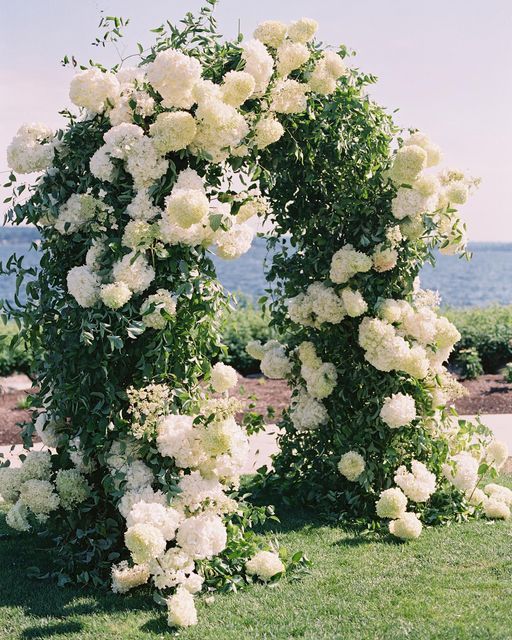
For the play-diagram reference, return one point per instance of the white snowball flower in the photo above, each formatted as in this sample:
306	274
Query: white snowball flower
36	466
17	517
223	377
419	484
78	209
346	262
141	207
122	139
494	508
234	242
384	259
496	454
291	56
178	439
186	207
433	152
72	487
398	410
162	300
271	33
307	413
408	163
181	609
275	364
265	565
138	475
173	131
31	149
94	89
84	286
465	474
145	542
237	87
143	494
354	303
498	492
203	536
302	30
173	74
125	577
144	164
267	131
101	166
392	503
411	203
39	497
351	465
289	96
407	527
133	269
258	63
115	295
165	519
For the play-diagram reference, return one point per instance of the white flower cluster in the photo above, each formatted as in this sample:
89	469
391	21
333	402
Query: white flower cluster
265	565
418	484
398	410
322	304
320	377
351	465
428	194
31	149
275	364
392	504
147	405
223	377
346	262
307	413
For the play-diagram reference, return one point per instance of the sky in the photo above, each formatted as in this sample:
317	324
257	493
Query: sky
445	64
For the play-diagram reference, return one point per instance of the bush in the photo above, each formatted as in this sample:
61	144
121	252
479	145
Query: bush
507	372
15	357
469	364
240	325
488	331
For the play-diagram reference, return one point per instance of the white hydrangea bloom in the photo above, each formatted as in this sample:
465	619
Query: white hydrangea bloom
138	234
72	487
236	87
162	300
494	508
84	286
173	74
255	349
307	413
138	475
10	482
202	536
289	96
181	609
392	503
133	269
351	465
398	410
195	491
265	565
17	517
234	242
302	30
100	164
115	295
498	492
46	429
418	484
125	577
321	380
31	149
141	207
407	527
353	302
178	439
291	56
144	494
173	131
256	205
223	377
346	262
411	203
462	471
433	152
39	497
319	304
165	519
496	454
267	131
145	542
186	207
408	163
258	63
122	139
36	466
275	364
384	259
271	33
144	164
94	89
78	209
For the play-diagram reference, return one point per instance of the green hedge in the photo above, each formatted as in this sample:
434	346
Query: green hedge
488	331
13	358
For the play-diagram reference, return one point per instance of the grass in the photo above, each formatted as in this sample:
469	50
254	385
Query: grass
454	583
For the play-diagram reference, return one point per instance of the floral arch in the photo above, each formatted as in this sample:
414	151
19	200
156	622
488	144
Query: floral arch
164	162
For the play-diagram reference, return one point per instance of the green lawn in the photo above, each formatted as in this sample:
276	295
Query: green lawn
452	583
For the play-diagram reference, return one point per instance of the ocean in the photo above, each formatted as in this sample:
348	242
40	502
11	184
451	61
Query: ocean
484	280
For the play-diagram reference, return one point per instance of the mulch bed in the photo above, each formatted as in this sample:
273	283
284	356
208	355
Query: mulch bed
487	394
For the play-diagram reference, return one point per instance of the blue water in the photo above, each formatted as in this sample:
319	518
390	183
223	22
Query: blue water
487	278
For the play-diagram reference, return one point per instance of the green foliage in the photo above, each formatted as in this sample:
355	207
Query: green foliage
15	354
488	331
469	364
507	373
240	325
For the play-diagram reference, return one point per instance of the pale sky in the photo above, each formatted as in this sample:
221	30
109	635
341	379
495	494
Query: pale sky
446	64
